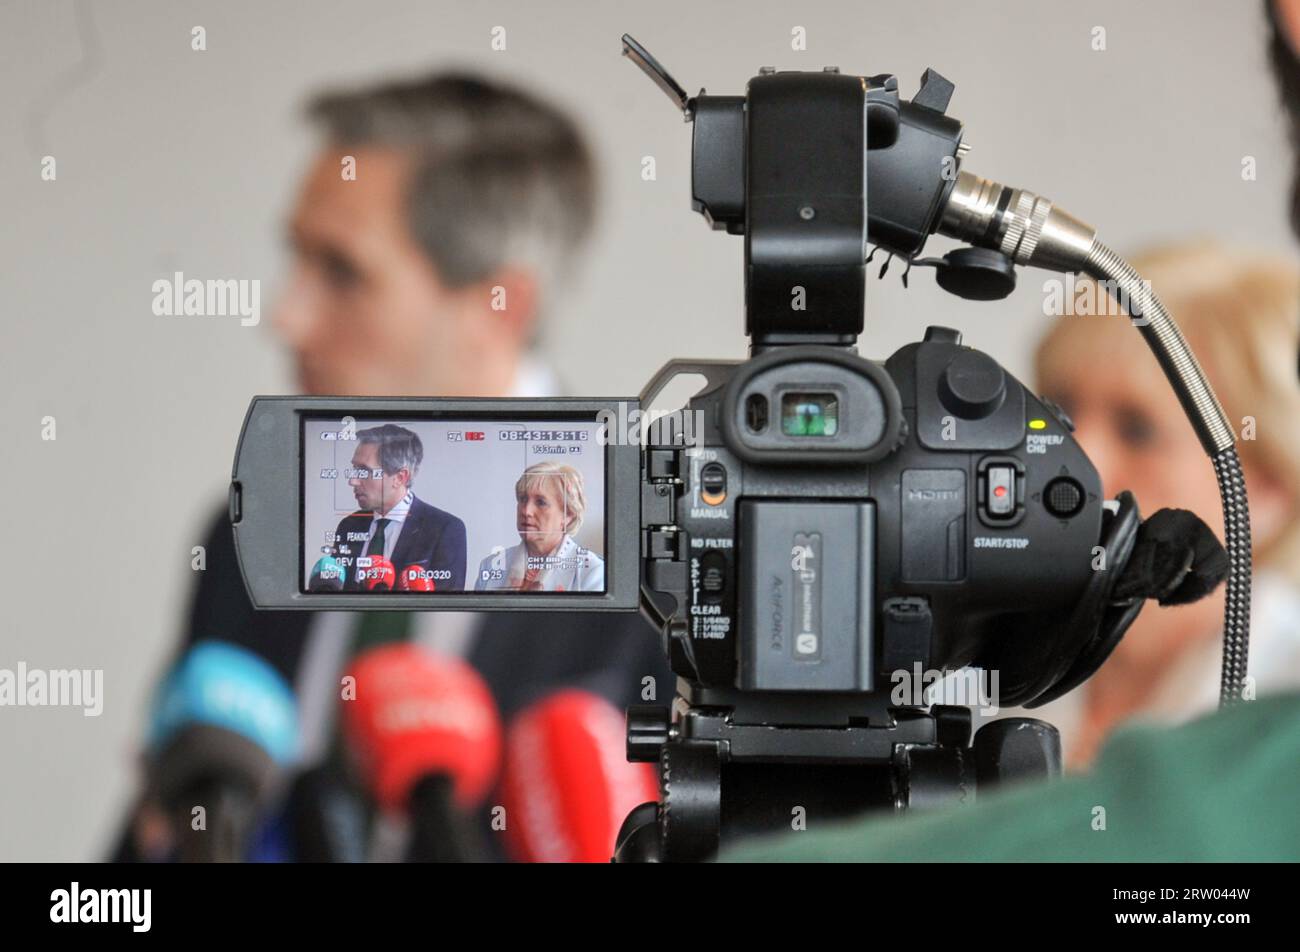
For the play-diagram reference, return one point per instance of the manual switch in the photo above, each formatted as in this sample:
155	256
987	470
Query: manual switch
713	484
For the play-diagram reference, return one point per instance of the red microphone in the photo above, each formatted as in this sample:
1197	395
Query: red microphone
426	734
567	785
416	713
376	573
415	578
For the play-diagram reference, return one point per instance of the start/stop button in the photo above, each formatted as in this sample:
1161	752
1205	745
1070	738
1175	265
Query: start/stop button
1000	491
1001	500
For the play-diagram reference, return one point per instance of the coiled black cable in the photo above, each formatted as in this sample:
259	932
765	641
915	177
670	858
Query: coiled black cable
1236	616
1206	414
1030	230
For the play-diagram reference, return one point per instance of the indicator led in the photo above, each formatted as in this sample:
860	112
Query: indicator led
1038	424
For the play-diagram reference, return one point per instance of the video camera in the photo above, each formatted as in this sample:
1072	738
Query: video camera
811	523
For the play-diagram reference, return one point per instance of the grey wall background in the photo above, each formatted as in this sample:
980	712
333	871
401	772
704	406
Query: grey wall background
170	159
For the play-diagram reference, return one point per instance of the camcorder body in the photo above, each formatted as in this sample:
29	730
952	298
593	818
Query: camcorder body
841	520
812	532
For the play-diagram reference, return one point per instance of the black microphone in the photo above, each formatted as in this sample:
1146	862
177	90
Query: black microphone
329	818
441	832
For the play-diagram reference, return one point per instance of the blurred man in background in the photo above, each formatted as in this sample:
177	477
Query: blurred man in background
431	234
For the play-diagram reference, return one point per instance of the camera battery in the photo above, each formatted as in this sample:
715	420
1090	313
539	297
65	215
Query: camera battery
805	595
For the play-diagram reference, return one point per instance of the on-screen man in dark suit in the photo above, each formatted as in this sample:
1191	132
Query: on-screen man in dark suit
391	520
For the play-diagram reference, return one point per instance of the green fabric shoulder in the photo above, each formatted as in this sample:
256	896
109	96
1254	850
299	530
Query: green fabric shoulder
1221	788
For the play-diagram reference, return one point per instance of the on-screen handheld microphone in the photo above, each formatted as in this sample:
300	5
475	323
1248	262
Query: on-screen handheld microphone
567	783
327	575
224	727
376	573
427	739
415	578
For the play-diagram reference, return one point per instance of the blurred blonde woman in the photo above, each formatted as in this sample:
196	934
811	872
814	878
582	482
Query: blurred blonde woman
550	501
1241	315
